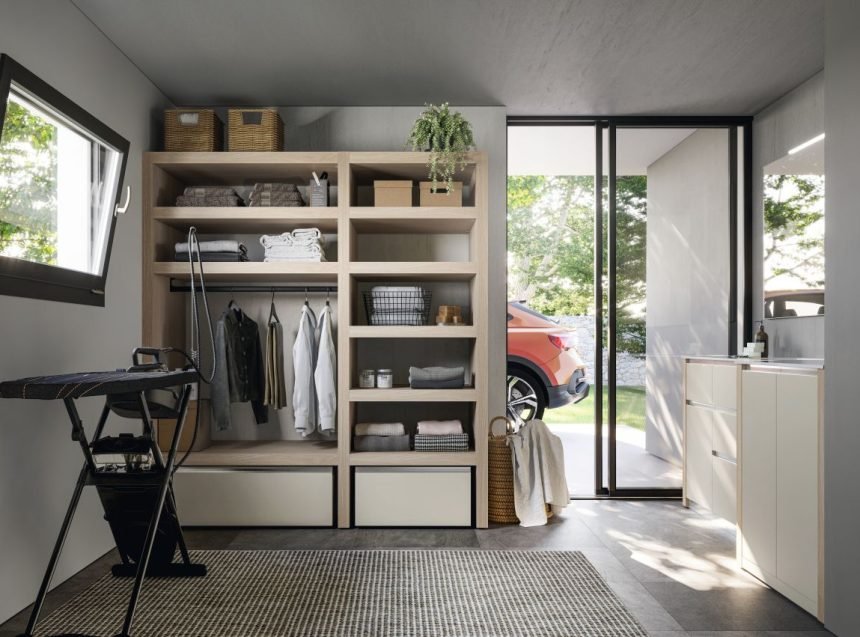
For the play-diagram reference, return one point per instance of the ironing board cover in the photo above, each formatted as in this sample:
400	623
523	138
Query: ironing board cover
83	384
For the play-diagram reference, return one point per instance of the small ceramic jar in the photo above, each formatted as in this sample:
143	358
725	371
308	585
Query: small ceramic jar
367	379
384	378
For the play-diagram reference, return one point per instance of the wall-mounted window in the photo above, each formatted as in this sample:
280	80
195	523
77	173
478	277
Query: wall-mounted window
794	232
61	172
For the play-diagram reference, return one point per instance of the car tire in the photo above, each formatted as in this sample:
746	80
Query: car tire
525	396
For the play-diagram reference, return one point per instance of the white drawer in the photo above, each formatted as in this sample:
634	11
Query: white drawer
700	383
413	496
300	496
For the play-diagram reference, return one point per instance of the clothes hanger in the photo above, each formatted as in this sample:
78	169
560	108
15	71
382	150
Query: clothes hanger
327	296
273	314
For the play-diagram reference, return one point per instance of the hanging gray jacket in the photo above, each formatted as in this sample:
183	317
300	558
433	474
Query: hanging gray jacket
239	367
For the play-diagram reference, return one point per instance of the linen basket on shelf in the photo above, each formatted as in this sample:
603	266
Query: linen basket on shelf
500	477
254	129
192	130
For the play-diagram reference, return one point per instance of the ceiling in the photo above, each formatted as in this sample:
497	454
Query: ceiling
536	57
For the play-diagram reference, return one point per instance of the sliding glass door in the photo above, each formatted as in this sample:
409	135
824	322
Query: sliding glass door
666	202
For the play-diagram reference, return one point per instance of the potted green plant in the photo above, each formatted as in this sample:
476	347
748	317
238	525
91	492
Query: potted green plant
448	136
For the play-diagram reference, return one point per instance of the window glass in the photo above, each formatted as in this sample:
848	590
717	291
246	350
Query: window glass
57	187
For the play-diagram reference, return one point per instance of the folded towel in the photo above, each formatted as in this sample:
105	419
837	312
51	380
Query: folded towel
208	201
450	442
440	427
224	245
276	199
454	383
307	234
380	443
298	237
274	187
214	257
287	251
436	373
380	429
314	258
209	191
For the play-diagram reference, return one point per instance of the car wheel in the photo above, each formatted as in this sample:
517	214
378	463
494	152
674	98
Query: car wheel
525	397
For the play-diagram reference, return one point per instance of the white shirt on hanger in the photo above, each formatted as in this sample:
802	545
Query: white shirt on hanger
304	363
325	375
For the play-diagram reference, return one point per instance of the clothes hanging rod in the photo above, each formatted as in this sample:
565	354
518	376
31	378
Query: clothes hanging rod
292	289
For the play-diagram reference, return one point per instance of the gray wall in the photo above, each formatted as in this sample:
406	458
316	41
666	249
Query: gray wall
842	320
791	120
687	275
38	461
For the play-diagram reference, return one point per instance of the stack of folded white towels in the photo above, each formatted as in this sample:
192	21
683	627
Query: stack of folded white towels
302	244
441	435
380	436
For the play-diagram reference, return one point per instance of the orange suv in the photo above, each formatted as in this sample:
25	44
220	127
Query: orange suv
544	369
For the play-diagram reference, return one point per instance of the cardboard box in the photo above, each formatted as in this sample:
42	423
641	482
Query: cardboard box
392	193
441	197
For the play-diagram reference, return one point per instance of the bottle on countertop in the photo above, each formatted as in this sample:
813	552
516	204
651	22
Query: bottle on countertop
762	337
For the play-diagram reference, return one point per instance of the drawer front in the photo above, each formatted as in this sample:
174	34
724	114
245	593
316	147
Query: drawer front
726	387
412	496
726	435
284	497
700	383
698	457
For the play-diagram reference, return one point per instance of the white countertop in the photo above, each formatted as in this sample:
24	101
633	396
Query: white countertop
796	363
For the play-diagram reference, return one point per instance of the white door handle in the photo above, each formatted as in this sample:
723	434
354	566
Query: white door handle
120	209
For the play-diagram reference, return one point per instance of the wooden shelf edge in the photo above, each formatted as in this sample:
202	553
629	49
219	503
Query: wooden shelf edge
413	331
413	458
407	394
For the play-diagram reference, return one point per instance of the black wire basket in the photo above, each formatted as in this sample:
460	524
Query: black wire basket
397	306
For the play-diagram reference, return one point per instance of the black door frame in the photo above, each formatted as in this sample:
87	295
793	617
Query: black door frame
738	246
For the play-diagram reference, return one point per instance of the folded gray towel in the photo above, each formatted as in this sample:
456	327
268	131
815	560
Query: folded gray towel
209	191
454	383
209	201
223	245
381	443
424	374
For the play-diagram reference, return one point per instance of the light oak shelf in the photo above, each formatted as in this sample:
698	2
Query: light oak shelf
252	271
413	331
247	168
407	394
414	270
412	220
413	458
252	220
265	453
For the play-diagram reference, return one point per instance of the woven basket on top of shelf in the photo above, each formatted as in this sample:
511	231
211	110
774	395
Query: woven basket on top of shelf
254	129
192	130
500	470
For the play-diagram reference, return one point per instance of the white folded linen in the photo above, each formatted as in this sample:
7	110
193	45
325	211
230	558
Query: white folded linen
439	427
314	258
380	429
538	458
307	235
286	251
224	245
397	318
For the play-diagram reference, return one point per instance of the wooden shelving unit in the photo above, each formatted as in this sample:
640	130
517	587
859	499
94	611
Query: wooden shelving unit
164	319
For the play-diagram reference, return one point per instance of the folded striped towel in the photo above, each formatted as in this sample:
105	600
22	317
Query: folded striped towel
440	427
224	245
450	442
187	201
380	429
209	191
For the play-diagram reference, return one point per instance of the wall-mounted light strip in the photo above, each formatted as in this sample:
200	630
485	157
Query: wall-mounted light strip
806	144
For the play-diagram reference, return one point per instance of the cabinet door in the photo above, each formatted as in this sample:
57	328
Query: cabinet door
797	483
698	457
758	464
726	387
725	489
700	383
726	435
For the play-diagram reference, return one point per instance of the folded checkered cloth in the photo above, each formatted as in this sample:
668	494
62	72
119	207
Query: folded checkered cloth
271	186
286	199
450	442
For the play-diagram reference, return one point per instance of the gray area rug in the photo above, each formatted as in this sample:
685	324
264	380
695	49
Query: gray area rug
432	593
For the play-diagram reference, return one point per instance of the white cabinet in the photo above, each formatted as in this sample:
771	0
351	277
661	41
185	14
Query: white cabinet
781	518
710	440
413	496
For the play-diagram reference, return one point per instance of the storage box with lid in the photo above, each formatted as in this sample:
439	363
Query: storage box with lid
192	130
392	192
442	196
255	129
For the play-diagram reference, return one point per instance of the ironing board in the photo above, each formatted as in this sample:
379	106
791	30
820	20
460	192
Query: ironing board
139	504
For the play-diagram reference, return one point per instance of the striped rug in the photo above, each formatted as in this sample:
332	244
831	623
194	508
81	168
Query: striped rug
432	593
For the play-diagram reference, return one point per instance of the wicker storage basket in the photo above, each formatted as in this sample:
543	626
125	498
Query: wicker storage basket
500	470
192	130
254	129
